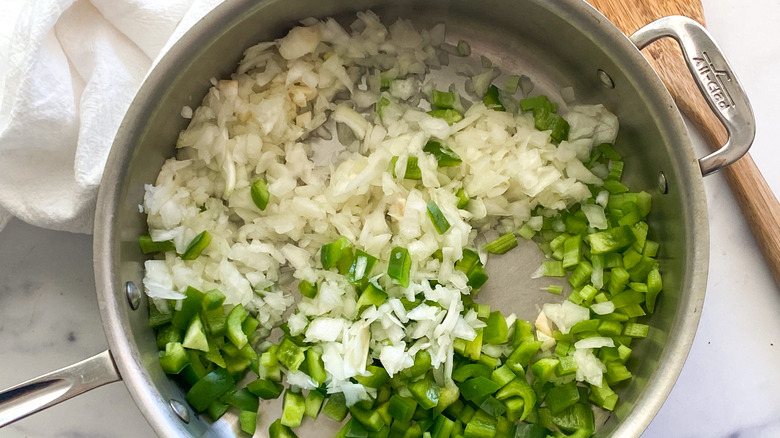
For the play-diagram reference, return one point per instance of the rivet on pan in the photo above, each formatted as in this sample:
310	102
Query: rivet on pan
133	295
605	79
663	187
180	410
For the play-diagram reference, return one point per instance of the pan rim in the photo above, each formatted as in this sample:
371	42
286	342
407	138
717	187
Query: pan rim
114	309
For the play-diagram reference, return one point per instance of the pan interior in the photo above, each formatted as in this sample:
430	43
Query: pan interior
557	45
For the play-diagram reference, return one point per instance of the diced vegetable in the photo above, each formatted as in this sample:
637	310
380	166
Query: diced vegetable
260	194
501	245
148	246
445	157
437	217
198	244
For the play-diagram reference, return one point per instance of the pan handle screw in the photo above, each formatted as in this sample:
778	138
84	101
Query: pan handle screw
180	410
133	295
605	79
663	187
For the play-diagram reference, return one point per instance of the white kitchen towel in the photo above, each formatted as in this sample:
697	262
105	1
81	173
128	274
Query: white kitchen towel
73	67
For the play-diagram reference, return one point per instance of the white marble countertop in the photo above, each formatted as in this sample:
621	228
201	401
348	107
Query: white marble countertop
729	387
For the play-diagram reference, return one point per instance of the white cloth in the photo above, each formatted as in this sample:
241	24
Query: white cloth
73	67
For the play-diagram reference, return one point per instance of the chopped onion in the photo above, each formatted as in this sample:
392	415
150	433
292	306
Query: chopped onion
595	342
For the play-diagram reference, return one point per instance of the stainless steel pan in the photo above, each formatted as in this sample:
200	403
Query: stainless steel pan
558	44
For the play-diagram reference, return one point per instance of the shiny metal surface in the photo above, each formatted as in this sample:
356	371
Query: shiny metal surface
716	81
42	392
565	44
557	44
133	295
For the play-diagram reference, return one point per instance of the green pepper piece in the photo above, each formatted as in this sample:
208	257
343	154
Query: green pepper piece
473	349
332	252
400	265
157	318
313	402
481	425
443	99
514	408
216	410
562	397
537	102
640	271
422	363
315	366
346	261
290	354
174	358
148	246
372	295
168	333
265	388
247	420
524	331
270	364
210	388
402	408
603	396
377	378
467	371
213	299
618	280
566	366
361	267
370	419
425	392
198	244
492	406
243	399
189	308
195	337
527	430
635	330
572	251
413	170
463	199
543	369
502	375
521	356
654	287
260	194
501	245
250	325
448	395
352	429
440	222
445	157
442	427
235	332
307	289
519	387
336	407
496	332
613	239
278	430
215	321
447	114
478	387
492	100
546	120
577	419
294	408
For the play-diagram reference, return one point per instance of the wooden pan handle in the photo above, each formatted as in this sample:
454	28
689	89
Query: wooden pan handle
756	199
